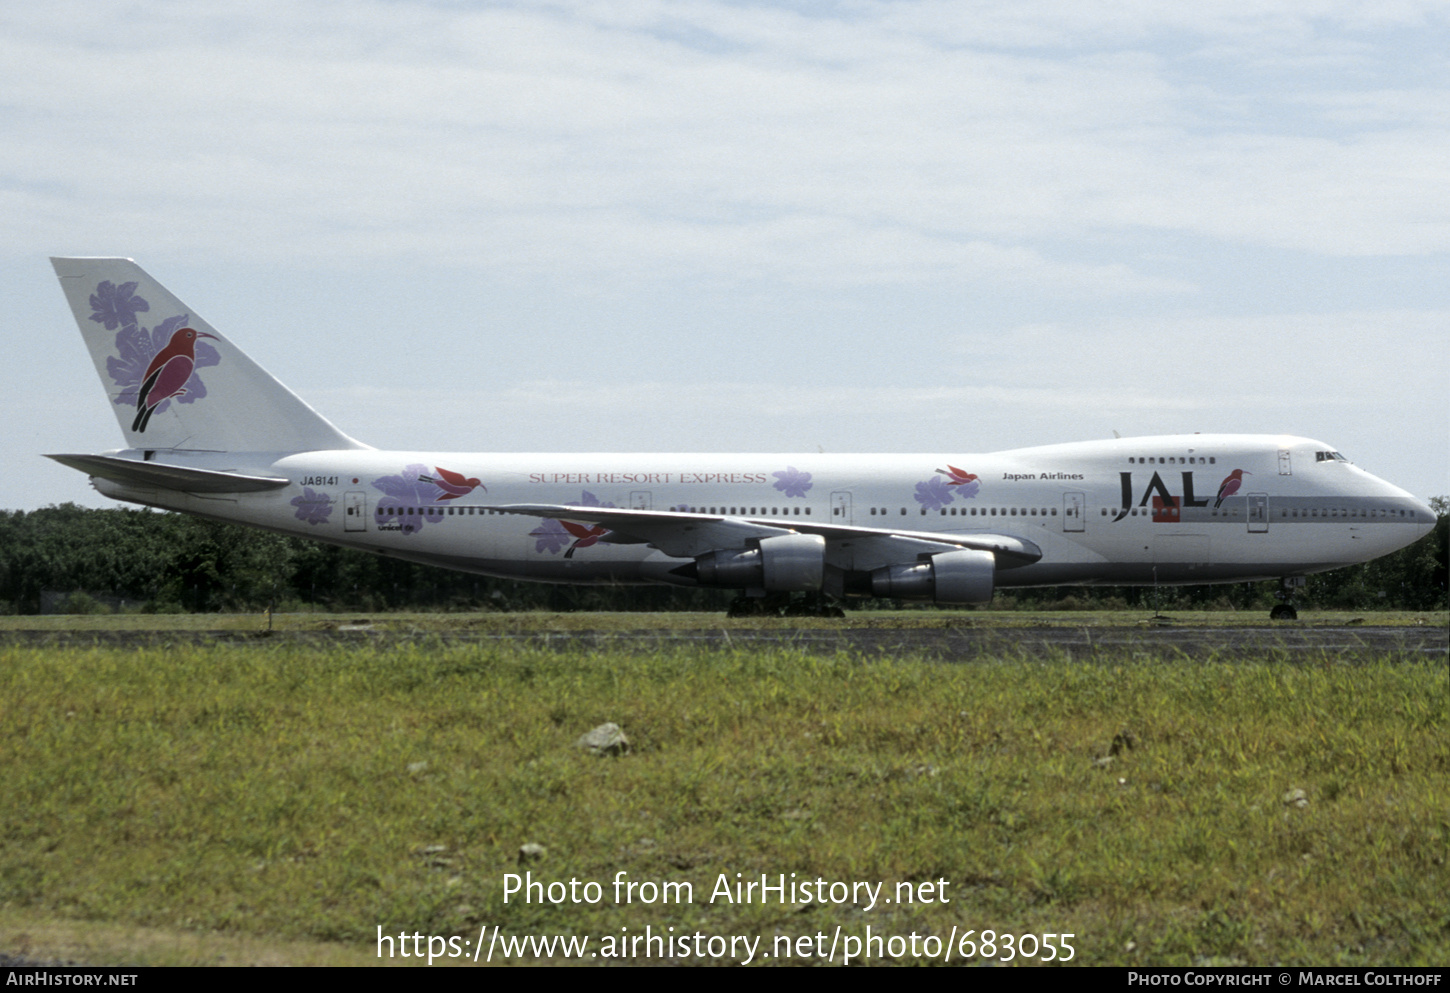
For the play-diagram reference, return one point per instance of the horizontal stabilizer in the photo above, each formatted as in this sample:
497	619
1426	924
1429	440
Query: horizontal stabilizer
168	477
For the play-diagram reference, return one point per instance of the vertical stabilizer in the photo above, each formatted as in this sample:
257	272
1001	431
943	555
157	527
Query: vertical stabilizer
172	380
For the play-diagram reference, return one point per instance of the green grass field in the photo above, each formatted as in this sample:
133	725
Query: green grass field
278	801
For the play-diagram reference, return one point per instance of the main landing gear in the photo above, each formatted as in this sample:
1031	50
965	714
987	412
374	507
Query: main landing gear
784	605
1285	610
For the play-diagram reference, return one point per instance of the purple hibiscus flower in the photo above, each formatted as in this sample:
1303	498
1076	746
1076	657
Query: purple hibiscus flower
313	507
136	346
934	493
793	482
553	535
408	499
115	306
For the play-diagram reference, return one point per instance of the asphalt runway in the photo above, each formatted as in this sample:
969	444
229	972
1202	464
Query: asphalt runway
958	643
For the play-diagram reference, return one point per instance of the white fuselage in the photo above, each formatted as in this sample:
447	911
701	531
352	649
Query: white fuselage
1174	509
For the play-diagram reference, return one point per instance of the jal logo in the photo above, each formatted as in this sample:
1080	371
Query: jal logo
1167	508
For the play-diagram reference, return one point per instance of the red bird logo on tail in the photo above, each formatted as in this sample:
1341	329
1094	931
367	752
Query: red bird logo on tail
167	374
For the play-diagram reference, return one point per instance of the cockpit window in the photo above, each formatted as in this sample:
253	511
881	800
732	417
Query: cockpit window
1329	457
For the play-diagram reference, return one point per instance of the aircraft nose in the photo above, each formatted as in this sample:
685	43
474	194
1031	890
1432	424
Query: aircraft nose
1425	518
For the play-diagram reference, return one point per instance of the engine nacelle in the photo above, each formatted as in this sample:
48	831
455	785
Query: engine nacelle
964	576
786	563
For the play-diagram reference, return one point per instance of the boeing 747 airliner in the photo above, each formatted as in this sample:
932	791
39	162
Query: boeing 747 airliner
209	432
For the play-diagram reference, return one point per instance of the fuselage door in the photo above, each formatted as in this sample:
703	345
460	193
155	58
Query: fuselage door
1074	512
641	500
355	511
1286	467
841	507
1258	506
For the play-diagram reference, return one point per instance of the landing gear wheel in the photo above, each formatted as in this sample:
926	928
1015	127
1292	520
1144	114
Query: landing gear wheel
815	605
1284	610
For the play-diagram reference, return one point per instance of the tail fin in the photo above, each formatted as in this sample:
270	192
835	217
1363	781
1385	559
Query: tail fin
174	382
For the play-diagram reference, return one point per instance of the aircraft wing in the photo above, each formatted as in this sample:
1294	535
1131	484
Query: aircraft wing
887	543
685	535
675	533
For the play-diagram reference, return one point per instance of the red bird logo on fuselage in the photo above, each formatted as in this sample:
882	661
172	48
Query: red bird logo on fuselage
167	374
957	477
584	535
453	484
1230	485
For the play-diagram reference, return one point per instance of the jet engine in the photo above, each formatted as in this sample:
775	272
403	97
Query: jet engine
964	576
786	563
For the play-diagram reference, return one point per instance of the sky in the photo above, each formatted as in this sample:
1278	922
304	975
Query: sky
906	226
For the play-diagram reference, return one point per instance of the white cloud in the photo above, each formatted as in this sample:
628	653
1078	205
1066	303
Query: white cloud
831	192
705	125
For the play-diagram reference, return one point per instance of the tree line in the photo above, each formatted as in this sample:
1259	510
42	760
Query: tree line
71	559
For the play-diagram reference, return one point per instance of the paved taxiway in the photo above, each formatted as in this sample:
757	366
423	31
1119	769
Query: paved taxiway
957	643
